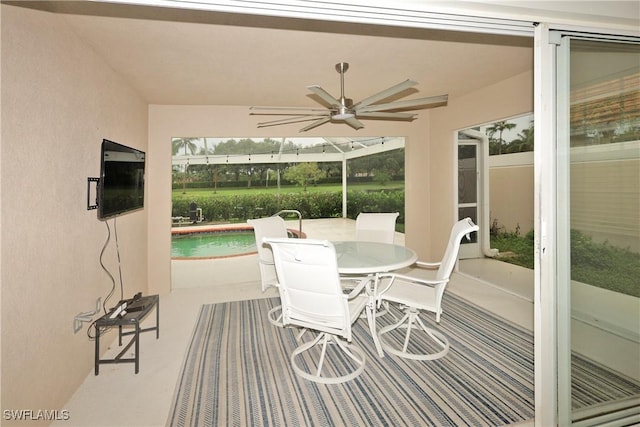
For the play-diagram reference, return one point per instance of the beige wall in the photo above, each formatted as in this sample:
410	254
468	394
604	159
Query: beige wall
509	98
58	101
511	205
605	198
605	201
511	191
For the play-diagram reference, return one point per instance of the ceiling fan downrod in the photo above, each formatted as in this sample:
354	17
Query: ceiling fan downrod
344	112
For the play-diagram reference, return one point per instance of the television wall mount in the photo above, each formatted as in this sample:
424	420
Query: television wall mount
91	180
85	317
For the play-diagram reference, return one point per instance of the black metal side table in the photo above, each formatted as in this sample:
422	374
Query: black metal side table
136	311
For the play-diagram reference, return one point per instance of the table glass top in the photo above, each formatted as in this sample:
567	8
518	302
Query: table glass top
372	257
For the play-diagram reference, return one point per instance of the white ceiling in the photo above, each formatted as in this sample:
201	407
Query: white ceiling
174	56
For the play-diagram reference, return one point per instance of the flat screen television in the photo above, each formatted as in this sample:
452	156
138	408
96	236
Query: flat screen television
121	184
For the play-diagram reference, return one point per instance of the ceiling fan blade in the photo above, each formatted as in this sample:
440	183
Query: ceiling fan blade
386	93
354	123
386	115
410	104
290	120
314	114
281	110
315	124
324	95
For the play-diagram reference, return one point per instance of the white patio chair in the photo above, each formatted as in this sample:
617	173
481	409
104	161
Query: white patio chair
312	298
415	294
376	227
273	226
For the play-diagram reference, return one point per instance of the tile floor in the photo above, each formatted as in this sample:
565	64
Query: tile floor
118	397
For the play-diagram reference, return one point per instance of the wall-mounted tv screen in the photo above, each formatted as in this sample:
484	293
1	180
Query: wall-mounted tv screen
121	185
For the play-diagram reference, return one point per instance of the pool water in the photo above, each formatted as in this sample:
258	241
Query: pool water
213	244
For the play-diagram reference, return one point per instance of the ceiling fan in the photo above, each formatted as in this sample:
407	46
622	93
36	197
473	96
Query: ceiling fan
343	110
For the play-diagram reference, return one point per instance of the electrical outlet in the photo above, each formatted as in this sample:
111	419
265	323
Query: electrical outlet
85	317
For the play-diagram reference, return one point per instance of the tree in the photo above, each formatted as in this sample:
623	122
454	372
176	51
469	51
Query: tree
187	143
183	143
523	142
381	177
391	162
499	128
303	174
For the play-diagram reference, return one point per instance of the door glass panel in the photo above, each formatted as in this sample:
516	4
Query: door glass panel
468	186
604	217
467	174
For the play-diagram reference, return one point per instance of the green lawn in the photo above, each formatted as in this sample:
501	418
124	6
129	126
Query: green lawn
596	264
178	194
235	191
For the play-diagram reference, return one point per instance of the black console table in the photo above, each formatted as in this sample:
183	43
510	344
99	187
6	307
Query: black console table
136	310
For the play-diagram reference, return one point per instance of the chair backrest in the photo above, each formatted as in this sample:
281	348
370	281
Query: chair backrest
273	226
376	227
458	231
309	284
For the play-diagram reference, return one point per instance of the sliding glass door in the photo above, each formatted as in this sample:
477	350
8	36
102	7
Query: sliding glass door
598	231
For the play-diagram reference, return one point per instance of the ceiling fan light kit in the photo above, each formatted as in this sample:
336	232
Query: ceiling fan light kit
343	110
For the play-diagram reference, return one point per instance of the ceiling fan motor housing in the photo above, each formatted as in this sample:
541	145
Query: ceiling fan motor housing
342	67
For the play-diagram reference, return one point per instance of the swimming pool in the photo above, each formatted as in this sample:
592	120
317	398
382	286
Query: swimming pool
214	242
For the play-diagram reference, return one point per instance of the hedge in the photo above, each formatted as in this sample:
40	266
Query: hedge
239	208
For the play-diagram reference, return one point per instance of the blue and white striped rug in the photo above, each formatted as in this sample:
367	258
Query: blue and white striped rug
237	373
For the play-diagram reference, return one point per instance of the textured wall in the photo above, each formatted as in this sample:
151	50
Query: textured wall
58	101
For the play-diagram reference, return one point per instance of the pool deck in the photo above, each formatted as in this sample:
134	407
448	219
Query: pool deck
191	228
325	228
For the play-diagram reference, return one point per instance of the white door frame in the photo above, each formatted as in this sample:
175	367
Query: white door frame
483	245
551	302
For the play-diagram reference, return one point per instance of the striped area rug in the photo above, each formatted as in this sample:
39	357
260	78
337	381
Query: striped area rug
237	373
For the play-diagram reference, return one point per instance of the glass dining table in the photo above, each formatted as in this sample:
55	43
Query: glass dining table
364	258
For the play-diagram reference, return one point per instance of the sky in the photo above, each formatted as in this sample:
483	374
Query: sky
522	122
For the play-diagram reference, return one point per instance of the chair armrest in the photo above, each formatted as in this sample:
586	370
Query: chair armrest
358	289
378	294
428	265
412	279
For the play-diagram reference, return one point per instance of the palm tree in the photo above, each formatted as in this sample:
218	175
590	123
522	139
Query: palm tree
499	127
187	143
523	142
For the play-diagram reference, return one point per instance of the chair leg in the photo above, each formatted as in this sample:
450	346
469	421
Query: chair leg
301	333
275	316
385	310
325	339
410	320
371	319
